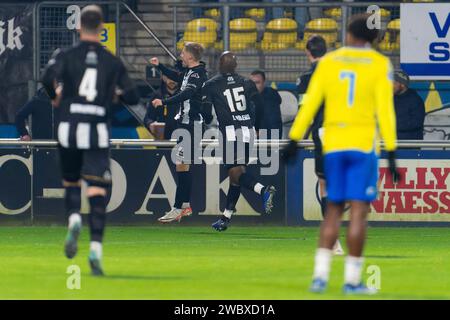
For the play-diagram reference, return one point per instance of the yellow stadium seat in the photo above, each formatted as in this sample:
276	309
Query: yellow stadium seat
212	13
391	40
203	31
255	13
280	34
243	34
300	45
325	27
336	13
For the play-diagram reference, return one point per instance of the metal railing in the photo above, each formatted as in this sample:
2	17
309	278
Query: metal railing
118	143
277	47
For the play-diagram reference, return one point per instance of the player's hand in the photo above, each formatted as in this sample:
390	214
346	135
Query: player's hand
25	138
154	61
290	151
57	100
395	174
157	103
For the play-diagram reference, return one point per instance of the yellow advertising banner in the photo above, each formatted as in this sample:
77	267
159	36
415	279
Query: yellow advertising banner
108	37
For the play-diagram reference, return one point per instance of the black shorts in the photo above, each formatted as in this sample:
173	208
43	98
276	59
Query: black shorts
90	165
318	158
191	151
235	154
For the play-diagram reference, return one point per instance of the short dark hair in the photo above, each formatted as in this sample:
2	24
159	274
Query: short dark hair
195	49
227	62
317	46
259	73
358	27
91	19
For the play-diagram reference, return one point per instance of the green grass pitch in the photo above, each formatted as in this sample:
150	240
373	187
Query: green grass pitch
179	262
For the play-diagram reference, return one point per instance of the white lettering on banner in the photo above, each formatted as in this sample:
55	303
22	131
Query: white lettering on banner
13	41
73	22
425	37
422	195
29	164
164	174
213	189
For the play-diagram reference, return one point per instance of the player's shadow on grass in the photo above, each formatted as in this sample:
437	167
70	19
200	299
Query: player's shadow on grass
140	278
389	257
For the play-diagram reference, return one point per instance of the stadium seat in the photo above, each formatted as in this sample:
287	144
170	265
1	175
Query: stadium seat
243	34
203	31
213	13
279	34
326	27
255	13
391	40
336	14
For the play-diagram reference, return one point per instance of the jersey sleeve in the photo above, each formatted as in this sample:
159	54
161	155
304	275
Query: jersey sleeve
311	103
53	72
250	89
384	96
172	74
207	102
194	83
129	94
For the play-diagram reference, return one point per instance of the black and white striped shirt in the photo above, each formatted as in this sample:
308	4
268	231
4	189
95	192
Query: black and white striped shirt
189	97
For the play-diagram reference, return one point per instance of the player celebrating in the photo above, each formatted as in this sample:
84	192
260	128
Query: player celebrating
316	48
355	82
228	92
189	116
83	81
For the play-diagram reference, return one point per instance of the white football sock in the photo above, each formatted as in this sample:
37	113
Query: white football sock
185	205
258	188
228	213
353	267
74	218
97	248
322	264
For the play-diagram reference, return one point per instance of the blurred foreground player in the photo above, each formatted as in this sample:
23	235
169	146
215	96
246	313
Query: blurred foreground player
228	92
316	48
188	100
83	81
355	82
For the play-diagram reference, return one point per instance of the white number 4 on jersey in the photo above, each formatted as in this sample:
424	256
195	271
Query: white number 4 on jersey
88	85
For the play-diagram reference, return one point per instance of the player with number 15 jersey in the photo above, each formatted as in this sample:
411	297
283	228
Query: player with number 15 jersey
231	95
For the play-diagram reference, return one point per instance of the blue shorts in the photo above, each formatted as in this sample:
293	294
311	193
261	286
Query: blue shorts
351	175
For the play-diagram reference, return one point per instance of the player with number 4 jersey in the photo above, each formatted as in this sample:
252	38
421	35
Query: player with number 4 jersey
82	82
232	95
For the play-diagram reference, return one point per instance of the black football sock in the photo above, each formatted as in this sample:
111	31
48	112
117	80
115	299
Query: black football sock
183	188
187	181
249	182
97	218
72	199
233	195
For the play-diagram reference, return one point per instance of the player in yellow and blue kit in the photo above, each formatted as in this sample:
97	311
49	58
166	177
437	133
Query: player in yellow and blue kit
355	83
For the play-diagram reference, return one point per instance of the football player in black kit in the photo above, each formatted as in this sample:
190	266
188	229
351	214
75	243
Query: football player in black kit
316	48
231	94
82	82
189	102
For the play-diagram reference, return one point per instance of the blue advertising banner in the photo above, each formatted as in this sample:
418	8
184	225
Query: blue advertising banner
143	189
